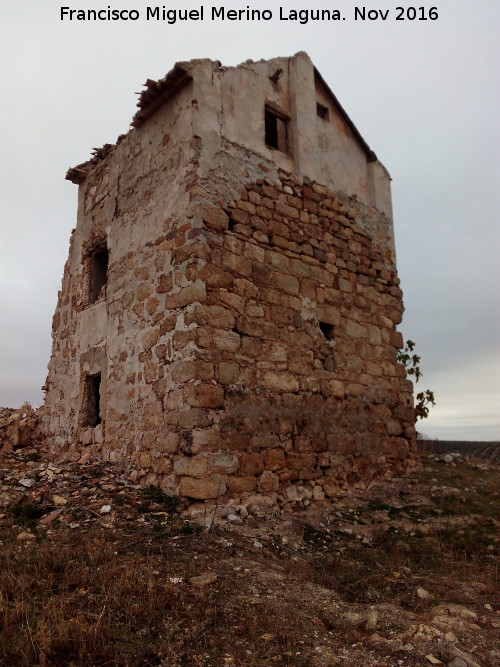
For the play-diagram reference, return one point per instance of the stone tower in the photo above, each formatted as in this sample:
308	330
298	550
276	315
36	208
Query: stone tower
227	318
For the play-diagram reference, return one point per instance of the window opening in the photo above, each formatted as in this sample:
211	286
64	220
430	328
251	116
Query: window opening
327	330
276	131
98	273
91	411
322	111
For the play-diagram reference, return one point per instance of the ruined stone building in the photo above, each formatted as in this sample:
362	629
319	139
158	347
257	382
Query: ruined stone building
227	318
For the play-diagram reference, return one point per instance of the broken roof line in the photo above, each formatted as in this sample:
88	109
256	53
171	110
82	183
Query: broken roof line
157	93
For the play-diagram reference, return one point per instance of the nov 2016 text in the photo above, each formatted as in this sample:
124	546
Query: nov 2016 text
172	15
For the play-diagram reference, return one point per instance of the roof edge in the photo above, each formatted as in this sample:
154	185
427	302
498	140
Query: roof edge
79	173
157	93
370	155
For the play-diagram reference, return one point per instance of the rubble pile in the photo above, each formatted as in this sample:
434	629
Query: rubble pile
19	427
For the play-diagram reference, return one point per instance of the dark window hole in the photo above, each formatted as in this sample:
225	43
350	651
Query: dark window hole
98	273
276	131
327	330
91	410
322	111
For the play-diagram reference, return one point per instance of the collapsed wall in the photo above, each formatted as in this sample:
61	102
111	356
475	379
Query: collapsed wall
226	326
20	427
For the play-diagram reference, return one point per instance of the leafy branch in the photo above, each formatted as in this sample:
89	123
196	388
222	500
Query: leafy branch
411	361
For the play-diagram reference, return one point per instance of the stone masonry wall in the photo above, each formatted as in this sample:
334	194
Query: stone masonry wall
261	356
134	203
265	358
294	366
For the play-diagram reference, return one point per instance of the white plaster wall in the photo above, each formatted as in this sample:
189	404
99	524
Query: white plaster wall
381	188
231	102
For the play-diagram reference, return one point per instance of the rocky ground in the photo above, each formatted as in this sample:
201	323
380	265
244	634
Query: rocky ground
98	571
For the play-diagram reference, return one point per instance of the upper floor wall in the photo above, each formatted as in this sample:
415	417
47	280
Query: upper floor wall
320	141
227	125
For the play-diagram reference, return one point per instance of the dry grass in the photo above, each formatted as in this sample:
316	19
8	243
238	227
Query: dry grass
123	596
106	598
457	547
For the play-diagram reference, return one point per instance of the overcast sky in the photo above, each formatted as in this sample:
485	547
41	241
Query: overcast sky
424	95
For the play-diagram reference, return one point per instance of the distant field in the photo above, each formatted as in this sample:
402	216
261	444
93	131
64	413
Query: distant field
489	450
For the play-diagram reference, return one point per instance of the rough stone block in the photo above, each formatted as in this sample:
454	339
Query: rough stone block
228	372
256	327
328	314
268	482
224	462
217	316
187	371
186	444
214	217
150	338
397	339
144	460
281	382
300	460
287	283
167	442
254	252
196	292
259	442
153	415
207	439
204	395
204	488
143	291
194	466
225	340
239	217
274	459
192	418
346	285
238	485
251	463
165	284
286	211
236	264
355	330
214	276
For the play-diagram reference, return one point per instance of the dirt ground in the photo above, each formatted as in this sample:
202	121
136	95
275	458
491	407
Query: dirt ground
97	571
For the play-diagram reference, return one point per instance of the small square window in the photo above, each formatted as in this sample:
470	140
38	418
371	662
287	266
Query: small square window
322	111
276	130
327	330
